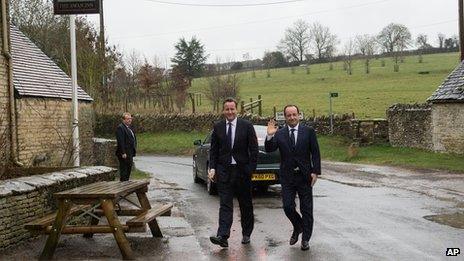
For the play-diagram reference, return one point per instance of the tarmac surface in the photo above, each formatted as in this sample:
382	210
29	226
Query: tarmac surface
362	212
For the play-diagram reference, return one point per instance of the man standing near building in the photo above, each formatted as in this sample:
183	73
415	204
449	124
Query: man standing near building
300	166
233	157
126	145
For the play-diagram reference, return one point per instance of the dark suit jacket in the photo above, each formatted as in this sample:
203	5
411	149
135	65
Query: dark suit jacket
126	143
305	155
244	151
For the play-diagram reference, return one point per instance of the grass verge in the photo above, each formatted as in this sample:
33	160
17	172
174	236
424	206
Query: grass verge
139	174
168	143
336	149
333	148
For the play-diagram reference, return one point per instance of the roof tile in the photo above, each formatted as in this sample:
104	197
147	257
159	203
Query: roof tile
35	74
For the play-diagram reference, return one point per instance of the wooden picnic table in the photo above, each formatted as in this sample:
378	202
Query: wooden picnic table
98	200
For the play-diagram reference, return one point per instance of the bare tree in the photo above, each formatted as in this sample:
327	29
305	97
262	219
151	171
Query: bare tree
51	34
133	63
367	46
221	86
323	40
179	82
441	40
296	41
349	50
422	42
146	78
451	42
394	37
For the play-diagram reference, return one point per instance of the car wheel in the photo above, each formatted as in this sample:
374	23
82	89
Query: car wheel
196	179
211	187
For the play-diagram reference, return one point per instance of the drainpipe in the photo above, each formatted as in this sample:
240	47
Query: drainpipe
12	107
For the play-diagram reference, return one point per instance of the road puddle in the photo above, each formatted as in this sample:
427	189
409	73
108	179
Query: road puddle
271	242
455	220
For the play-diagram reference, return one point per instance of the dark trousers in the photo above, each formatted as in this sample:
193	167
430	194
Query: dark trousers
305	192
240	186
125	168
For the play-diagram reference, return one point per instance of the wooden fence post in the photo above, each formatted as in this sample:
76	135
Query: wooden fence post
260	106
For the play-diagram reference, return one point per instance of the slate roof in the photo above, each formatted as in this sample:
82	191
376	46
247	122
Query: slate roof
452	89
35	74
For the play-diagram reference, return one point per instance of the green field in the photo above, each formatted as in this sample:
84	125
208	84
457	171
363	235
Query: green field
367	95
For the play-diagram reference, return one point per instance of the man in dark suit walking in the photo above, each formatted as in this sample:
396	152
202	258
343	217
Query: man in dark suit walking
126	145
233	157
299	168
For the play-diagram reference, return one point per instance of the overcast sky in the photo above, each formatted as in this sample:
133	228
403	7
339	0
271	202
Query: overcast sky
152	28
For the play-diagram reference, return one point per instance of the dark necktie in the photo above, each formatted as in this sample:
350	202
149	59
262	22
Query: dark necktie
229	140
229	135
292	137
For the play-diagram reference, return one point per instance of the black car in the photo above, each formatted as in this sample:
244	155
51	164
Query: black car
267	171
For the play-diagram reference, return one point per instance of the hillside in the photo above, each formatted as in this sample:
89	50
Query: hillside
367	95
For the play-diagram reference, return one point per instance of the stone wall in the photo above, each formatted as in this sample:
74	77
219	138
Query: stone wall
4	104
344	125
369	131
410	125
106	123
104	152
28	198
45	131
448	127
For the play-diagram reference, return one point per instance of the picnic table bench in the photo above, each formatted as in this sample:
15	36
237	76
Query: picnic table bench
98	200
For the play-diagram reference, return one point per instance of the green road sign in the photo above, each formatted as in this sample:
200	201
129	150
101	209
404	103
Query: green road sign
334	94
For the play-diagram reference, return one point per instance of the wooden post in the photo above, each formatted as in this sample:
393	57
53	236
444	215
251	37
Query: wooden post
52	241
155	230
461	28
118	230
260	106
242	107
251	105
192	99
274	110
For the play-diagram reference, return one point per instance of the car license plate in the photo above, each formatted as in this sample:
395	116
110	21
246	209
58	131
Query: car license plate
263	176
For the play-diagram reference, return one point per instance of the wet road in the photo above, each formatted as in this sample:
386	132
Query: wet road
361	213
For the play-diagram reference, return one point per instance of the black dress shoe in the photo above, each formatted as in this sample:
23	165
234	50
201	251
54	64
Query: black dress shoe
295	235
304	245
246	240
219	241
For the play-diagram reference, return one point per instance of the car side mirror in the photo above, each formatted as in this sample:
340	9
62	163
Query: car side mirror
197	143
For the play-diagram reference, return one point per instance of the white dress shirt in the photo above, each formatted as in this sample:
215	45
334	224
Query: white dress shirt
269	137
131	132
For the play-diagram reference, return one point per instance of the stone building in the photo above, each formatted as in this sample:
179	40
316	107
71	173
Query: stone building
4	91
437	125
43	108
448	113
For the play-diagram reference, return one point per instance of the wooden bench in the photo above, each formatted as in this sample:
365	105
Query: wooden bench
40	225
107	194
148	217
